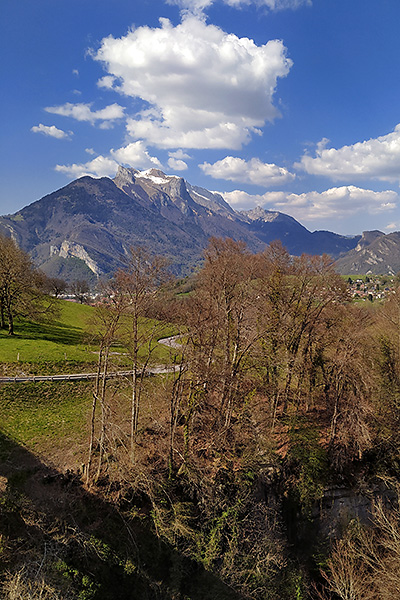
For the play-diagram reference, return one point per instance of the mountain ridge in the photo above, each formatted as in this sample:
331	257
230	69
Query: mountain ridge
96	221
375	253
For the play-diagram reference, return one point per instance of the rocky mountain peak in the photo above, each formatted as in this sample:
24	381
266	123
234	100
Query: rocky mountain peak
211	200
155	176
259	213
367	238
125	176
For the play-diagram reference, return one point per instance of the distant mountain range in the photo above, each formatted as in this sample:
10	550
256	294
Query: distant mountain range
86	228
375	253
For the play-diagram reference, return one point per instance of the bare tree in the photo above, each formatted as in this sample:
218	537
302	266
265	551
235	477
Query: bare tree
295	296
365	563
224	332
81	290
106	324
54	286
20	285
138	284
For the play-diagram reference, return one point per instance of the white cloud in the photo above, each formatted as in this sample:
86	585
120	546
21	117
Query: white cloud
135	155
338	202
176	164
253	171
52	131
177	160
375	158
179	154
393	226
106	82
83	112
203	88
195	7
100	166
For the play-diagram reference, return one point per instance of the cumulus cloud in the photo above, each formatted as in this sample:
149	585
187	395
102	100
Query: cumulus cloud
106	82
177	164
177	160
100	166
52	131
253	171
202	87
179	154
134	155
83	112
377	158
337	202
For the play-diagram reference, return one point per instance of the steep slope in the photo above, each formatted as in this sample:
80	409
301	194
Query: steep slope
272	225
200	213
375	253
98	220
93	220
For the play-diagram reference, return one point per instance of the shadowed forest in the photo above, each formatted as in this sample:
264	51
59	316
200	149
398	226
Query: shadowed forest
263	463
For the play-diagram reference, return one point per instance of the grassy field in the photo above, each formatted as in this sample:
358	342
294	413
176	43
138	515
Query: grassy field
48	417
66	344
43	416
63	339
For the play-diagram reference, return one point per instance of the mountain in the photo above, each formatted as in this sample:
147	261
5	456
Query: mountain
375	253
269	226
86	228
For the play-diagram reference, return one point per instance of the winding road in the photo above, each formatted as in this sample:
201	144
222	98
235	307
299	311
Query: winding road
171	342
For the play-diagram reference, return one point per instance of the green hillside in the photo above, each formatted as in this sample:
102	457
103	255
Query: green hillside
64	339
66	344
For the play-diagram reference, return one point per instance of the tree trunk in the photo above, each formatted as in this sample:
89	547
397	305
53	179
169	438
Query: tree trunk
93	415
2	316
103	411
10	322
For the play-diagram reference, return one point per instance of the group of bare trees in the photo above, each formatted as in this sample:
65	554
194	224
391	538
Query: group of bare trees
280	329
273	362
120	317
365	563
276	330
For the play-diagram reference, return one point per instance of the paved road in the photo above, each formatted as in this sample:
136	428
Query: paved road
79	376
170	342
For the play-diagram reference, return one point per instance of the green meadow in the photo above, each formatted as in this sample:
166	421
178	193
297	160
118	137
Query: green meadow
45	415
66	344
63	339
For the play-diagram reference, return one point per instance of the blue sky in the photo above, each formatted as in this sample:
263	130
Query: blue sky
293	105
